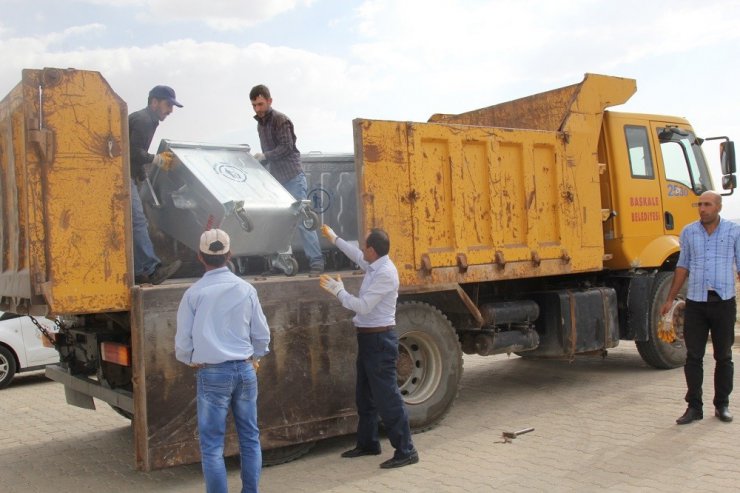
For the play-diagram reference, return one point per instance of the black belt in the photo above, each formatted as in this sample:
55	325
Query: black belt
373	330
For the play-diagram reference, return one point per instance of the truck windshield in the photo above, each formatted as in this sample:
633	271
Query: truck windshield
683	159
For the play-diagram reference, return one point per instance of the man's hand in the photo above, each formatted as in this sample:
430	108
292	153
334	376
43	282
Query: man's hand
328	233
666	307
331	285
165	160
255	364
260	157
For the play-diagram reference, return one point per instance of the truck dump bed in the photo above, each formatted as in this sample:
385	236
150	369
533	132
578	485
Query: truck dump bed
509	191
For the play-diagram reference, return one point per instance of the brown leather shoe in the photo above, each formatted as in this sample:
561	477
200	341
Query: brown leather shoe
690	415
723	413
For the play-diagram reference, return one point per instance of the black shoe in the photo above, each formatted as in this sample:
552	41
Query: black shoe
315	271
141	279
359	452
401	461
164	272
723	413
690	415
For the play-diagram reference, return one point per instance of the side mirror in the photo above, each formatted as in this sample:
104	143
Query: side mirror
727	157
729	182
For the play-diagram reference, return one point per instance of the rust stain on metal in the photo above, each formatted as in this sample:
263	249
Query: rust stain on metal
530	199
372	153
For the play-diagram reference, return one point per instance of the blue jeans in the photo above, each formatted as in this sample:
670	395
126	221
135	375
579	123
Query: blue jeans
145	260
229	385
377	394
298	188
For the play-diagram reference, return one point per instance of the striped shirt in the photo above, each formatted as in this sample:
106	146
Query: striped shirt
375	306
277	138
711	260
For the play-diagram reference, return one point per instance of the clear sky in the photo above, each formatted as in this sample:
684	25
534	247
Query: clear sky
329	61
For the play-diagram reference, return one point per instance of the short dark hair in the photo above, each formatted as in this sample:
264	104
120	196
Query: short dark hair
215	260
259	90
379	241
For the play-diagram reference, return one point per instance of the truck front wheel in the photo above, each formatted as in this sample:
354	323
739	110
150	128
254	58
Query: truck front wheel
657	353
429	363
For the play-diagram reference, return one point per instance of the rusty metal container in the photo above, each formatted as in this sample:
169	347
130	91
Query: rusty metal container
64	206
332	190
505	192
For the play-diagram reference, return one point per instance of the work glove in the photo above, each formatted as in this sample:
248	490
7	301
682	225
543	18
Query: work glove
165	160
328	233
331	285
260	157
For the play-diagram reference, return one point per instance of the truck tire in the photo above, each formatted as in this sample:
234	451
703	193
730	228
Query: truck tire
654	352
281	455
429	363
7	366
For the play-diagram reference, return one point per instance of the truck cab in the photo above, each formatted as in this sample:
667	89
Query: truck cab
655	171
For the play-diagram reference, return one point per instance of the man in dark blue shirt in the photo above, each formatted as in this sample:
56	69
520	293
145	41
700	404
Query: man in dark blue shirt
141	127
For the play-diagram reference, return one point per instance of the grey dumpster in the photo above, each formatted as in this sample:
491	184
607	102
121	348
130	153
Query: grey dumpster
223	186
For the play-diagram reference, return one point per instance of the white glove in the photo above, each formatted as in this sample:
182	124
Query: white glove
260	157
328	233
164	160
331	285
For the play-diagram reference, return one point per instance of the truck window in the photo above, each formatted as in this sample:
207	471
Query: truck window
683	160
641	161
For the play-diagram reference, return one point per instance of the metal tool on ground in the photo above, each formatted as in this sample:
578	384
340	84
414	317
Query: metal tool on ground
508	436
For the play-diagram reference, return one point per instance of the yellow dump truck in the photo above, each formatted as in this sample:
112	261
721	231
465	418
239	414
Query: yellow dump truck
545	227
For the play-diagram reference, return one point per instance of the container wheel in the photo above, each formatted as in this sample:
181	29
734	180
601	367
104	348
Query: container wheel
282	455
429	363
310	219
654	352
291	267
7	367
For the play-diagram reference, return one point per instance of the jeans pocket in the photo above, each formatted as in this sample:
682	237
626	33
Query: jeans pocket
215	385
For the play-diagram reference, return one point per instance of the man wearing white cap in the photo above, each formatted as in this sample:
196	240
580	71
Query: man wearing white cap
222	332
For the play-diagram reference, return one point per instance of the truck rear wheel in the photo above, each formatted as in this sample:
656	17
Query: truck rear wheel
654	352
429	363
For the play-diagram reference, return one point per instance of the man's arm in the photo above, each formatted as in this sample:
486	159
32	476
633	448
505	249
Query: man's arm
378	288
139	141
184	335
259	332
679	277
352	252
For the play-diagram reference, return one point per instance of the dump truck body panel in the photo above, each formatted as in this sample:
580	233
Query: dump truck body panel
306	381
66	206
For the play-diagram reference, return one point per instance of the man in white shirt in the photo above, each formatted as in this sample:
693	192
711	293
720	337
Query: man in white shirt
377	391
222	331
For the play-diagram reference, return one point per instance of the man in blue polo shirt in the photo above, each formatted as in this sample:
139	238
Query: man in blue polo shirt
710	256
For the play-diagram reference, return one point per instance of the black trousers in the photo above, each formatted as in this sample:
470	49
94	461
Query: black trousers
719	318
377	394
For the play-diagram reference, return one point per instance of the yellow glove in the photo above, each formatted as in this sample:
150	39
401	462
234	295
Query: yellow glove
331	285
165	160
328	233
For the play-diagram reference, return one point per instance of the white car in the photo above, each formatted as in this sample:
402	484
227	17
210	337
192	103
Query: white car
22	346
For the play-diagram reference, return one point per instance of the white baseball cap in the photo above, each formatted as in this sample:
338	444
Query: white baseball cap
214	242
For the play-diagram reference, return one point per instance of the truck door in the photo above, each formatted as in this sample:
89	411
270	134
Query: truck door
682	173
